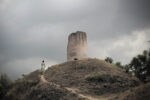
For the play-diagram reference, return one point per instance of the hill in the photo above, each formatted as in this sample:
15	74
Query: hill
138	93
88	79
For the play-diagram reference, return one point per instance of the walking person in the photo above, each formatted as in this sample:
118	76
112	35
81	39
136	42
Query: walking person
42	67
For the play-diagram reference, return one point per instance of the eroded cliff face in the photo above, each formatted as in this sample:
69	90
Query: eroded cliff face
77	46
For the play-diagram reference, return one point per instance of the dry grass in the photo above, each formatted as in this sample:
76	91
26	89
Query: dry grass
138	93
60	81
74	74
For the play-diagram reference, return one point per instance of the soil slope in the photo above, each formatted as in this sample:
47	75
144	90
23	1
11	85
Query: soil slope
89	79
138	93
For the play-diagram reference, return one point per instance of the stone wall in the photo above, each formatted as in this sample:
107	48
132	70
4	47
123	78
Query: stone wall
77	46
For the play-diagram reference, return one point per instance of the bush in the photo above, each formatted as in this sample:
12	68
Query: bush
109	60
23	85
101	78
5	85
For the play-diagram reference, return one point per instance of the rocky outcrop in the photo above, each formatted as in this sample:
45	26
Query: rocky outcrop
77	46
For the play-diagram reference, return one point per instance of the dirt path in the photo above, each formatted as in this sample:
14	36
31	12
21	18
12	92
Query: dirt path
43	79
72	90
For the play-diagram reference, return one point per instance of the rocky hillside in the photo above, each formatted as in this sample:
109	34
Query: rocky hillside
89	79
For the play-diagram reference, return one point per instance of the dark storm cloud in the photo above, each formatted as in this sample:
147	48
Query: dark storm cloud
134	15
127	16
33	30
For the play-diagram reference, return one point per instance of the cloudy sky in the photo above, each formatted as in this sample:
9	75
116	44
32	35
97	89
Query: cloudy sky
33	30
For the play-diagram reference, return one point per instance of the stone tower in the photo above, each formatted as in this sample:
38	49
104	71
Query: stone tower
77	46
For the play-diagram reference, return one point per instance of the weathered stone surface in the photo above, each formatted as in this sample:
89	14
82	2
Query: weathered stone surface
77	46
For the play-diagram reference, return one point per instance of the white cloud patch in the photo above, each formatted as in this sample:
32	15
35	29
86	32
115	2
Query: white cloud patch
122	48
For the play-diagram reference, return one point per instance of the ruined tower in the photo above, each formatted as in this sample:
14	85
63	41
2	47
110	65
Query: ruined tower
77	46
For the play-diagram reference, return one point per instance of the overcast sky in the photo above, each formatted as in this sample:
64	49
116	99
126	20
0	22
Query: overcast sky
33	30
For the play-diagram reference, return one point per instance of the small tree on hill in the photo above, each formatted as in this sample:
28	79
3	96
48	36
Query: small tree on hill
109	60
119	65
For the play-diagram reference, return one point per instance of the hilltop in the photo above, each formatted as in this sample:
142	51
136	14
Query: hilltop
88	79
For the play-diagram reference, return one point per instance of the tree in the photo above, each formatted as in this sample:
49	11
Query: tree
123	67
5	85
109	60
119	65
127	69
140	65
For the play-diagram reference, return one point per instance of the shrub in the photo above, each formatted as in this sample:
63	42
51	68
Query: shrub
5	85
23	85
101	78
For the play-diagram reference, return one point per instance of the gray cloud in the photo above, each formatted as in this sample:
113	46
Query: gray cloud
34	30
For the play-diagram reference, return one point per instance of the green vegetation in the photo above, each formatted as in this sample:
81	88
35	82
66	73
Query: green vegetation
119	64
23	85
20	87
101	78
109	60
5	85
139	66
